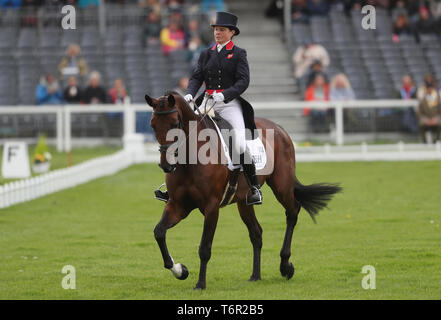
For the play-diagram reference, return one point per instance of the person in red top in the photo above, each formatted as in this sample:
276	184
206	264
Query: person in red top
318	91
118	92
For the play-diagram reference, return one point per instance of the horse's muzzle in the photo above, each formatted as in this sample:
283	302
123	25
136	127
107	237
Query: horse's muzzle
169	168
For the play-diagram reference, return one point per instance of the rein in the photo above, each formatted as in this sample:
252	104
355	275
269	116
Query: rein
164	147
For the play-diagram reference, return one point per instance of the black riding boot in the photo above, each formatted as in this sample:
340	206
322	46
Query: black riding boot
161	195
249	170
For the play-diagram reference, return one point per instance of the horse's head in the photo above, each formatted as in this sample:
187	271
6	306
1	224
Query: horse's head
165	117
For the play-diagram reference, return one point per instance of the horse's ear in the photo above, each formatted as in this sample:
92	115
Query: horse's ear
171	100
149	100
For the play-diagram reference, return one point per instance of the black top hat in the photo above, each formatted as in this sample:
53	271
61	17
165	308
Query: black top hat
226	19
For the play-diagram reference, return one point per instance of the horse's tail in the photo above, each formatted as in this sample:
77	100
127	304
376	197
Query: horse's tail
315	197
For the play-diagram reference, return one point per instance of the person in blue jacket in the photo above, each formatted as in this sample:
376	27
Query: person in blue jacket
49	91
224	69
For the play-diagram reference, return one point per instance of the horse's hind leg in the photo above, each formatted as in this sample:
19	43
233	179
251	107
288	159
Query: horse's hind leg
255	231
283	188
286	267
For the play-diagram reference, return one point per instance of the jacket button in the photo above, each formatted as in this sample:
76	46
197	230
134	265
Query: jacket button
218	86
219	71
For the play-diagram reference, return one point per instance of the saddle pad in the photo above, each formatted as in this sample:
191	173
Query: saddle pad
255	147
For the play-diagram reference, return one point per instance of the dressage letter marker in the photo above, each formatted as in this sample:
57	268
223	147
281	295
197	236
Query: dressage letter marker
15	162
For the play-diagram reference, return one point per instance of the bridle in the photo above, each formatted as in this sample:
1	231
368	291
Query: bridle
163	148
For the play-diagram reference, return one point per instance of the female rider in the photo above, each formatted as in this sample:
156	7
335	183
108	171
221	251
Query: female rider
224	69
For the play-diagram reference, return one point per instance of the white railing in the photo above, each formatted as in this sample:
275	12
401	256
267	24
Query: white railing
64	129
339	106
365	152
32	188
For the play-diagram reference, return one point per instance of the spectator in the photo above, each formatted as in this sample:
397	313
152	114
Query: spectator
317	7
182	86
318	91
72	63
172	38
429	111
192	31
151	5
299	11
152	28
29	12
72	93
421	92
48	91
208	6
435	9
424	24
274	9
94	93
316	68
401	27
88	3
340	88
400	8
306	54
408	91
118	93
10	3
195	48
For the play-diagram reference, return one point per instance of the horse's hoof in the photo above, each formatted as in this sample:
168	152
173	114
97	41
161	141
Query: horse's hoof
184	274
179	271
254	278
199	286
287	271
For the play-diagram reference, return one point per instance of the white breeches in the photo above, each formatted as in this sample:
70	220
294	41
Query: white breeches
232	112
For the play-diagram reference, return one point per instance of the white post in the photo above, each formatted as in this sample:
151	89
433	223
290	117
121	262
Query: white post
6	195
13	193
129	119
60	129
67	130
2	198
339	129
364	148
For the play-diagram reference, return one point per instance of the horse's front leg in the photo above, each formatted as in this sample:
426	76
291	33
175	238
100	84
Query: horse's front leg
170	217
210	223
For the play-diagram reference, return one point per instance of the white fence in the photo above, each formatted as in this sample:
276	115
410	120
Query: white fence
364	152
28	189
64	129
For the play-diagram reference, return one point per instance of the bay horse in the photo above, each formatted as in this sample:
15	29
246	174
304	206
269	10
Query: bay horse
202	186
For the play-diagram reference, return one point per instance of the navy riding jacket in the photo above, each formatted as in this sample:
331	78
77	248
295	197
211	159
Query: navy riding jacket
226	70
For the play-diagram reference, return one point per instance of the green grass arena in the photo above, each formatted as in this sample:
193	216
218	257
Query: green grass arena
388	216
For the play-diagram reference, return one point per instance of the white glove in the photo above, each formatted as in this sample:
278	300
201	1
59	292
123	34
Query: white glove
188	97
218	97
